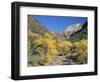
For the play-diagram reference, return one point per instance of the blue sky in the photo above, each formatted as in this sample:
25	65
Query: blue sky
58	23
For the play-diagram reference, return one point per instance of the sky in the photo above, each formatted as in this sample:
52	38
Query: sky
58	23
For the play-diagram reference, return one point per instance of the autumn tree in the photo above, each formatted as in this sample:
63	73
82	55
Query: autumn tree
81	48
64	47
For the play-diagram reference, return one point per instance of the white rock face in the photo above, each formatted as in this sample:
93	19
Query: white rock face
72	29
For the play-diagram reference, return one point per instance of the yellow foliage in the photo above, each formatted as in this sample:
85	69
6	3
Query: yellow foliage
47	58
64	46
47	35
51	46
38	41
66	43
81	46
53	51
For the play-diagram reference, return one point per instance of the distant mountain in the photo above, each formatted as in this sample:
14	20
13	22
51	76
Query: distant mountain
73	32
72	29
80	34
76	31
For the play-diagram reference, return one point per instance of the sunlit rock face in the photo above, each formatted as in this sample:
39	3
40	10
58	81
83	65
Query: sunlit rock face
72	29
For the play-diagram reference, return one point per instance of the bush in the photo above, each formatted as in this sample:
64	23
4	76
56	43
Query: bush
81	49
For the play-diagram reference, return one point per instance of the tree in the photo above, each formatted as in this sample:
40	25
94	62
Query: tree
81	48
47	59
64	47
